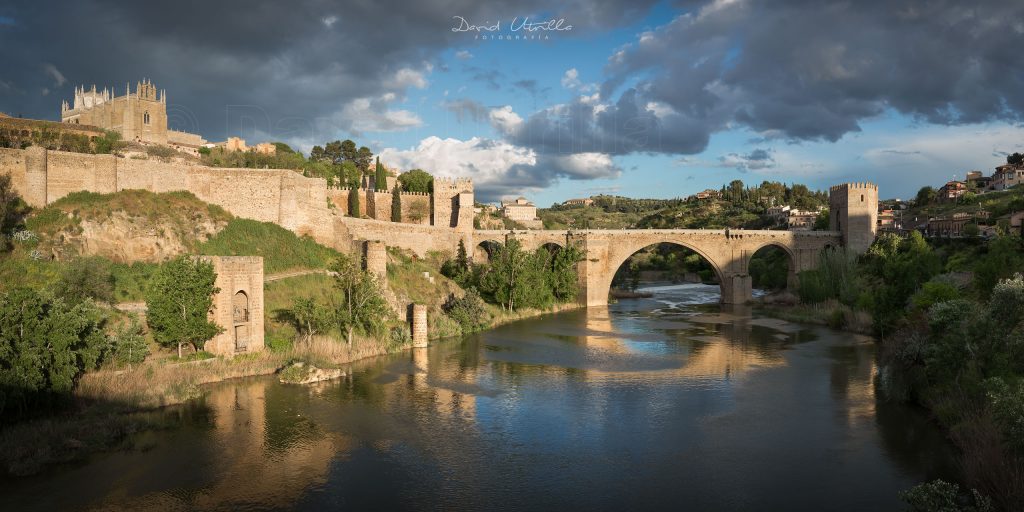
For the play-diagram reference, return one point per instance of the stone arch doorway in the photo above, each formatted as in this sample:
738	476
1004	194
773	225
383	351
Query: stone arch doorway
241	320
690	265
485	250
772	267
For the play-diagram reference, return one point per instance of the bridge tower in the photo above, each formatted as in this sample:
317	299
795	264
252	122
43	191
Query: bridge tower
853	212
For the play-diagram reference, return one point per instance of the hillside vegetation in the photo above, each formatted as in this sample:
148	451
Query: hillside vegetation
736	206
127	234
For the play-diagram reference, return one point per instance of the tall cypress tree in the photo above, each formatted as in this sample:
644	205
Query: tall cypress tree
396	204
380	179
353	202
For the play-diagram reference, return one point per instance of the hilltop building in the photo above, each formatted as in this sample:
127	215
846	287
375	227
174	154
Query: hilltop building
237	144
951	191
1007	176
139	117
522	211
579	202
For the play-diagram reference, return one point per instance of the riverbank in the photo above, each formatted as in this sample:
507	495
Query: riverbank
112	405
831	313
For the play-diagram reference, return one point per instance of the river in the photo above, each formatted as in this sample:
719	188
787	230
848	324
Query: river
668	402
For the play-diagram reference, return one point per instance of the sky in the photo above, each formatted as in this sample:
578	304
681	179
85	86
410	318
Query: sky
555	100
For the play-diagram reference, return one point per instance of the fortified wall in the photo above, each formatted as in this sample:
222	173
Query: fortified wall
303	205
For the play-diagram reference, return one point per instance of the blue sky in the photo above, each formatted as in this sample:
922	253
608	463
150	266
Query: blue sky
641	98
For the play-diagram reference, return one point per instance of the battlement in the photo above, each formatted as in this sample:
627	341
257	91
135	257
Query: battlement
465	184
861	185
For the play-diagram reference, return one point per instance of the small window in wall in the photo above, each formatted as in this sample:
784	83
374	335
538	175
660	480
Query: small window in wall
861	196
145	118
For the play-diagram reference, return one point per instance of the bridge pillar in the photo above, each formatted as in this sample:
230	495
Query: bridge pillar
594	271
736	289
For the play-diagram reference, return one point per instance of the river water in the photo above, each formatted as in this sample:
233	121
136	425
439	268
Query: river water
669	402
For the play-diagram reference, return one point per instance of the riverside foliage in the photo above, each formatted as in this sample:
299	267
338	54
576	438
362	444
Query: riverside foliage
517	279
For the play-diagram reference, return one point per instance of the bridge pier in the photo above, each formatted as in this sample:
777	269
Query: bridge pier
736	289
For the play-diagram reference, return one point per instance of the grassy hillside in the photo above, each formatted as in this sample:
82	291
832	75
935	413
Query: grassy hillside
174	216
587	217
169	223
281	249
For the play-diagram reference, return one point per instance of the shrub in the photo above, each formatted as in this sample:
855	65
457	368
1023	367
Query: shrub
469	311
1008	407
127	344
45	346
933	292
85	278
940	496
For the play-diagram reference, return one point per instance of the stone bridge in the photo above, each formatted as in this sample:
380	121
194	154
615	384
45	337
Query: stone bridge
728	251
853	214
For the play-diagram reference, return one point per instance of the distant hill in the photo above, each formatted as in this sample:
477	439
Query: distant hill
734	206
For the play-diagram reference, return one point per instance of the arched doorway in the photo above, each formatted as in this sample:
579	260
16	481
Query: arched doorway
241	320
666	267
772	269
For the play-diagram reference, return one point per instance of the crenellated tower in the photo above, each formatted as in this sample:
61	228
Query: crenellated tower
453	203
853	211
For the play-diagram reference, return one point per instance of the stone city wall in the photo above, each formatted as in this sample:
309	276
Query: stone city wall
377	205
281	196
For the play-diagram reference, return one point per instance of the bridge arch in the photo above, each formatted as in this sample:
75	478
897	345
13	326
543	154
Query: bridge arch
485	249
621	253
791	260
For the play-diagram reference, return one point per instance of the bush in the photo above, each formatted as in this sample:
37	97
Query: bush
85	278
940	496
162	152
1008	407
933	292
469	311
127	344
45	346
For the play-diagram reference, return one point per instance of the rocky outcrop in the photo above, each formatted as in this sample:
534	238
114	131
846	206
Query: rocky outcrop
302	373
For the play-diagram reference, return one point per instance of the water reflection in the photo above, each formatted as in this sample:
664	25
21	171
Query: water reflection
644	404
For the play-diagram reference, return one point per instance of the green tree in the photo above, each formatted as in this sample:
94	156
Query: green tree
925	196
519	279
353	202
310	317
127	345
469	311
396	204
1003	258
347	151
360	306
109	142
416	180
363	158
564	278
380	178
45	346
1015	159
178	301
821	221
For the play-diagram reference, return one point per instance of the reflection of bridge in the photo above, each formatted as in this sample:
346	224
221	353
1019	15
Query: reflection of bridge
728	252
853	214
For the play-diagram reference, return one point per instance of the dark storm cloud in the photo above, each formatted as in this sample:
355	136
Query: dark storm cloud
797	70
287	69
629	125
